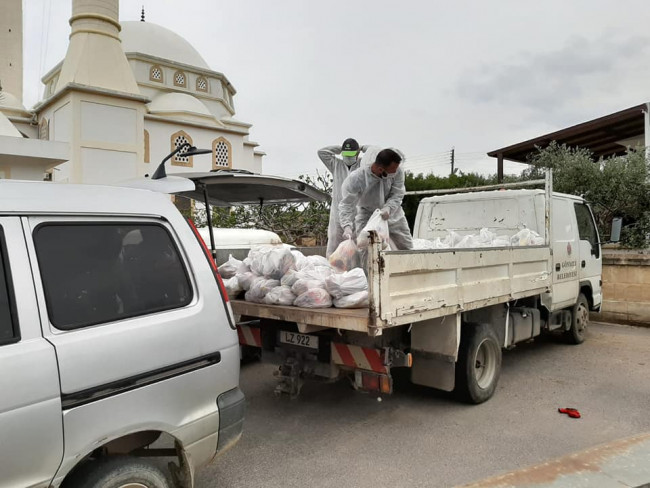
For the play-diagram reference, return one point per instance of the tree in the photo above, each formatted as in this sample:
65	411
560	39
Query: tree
615	186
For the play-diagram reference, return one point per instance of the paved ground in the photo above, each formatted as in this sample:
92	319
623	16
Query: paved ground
333	436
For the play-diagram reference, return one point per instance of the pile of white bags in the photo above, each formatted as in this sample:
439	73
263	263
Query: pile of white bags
277	275
485	238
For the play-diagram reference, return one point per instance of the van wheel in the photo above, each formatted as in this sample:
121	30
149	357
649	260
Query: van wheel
119	472
579	321
479	363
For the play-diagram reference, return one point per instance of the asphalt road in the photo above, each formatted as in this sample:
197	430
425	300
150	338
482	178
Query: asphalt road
333	436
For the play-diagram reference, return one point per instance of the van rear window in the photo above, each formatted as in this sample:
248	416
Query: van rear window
98	273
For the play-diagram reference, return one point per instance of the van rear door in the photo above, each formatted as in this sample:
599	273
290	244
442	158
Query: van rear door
31	433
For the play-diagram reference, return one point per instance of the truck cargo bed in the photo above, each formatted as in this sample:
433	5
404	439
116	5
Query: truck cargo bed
351	319
413	286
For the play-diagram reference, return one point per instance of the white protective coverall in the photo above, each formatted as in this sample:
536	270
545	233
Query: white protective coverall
340	170
363	192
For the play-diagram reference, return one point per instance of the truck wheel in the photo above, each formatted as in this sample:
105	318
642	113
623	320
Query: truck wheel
579	321
479	363
119	472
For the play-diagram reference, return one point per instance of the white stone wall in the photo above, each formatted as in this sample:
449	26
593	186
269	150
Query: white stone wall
160	146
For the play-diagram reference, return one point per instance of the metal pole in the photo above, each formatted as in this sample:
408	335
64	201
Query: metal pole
548	187
520	184
208	216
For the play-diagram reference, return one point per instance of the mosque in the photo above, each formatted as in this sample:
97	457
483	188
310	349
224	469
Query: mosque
125	95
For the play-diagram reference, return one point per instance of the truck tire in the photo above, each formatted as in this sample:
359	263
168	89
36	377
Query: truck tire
479	363
119	472
579	321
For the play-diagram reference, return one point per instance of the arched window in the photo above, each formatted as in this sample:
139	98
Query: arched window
221	154
44	130
180	79
156	73
146	147
179	138
201	84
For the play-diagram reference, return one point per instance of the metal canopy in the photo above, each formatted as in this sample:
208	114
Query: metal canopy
227	188
610	135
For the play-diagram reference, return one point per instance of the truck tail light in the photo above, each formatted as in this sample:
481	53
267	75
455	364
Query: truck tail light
373	382
215	272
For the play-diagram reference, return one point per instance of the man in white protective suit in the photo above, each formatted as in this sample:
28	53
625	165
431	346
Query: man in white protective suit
379	185
340	161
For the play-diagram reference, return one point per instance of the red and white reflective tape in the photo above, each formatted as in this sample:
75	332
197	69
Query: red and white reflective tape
249	336
358	357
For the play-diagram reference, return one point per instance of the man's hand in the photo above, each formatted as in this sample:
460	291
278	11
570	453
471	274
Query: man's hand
347	233
385	213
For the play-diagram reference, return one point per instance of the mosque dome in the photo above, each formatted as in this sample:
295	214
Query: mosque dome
155	40
171	103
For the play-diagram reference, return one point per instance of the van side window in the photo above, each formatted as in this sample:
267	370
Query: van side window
587	228
95	273
8	321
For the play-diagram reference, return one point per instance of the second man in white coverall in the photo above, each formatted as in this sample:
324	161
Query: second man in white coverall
379	185
340	161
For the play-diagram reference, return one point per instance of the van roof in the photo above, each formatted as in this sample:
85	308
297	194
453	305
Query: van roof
36	197
494	194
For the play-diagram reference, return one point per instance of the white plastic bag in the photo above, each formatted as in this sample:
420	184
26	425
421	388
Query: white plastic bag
345	256
246	279
527	237
277	262
280	295
230	267
356	300
290	278
314	298
259	288
379	225
423	244
316	260
302	285
232	286
300	259
342	284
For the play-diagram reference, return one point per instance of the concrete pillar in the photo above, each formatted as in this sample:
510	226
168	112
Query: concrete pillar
11	47
500	168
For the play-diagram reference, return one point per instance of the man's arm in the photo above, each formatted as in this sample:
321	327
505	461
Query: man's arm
328	156
397	191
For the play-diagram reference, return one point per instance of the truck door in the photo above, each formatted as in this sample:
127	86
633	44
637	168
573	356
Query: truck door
591	260
565	254
31	430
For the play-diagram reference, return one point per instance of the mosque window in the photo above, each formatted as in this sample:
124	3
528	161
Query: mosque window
147	156
180	79
44	130
156	74
178	139
201	84
221	154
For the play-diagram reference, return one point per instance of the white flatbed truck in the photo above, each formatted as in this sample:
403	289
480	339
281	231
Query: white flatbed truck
446	314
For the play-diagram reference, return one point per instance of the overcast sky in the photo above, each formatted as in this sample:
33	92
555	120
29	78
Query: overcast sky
421	76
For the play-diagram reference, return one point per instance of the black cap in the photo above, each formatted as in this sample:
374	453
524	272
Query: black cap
350	145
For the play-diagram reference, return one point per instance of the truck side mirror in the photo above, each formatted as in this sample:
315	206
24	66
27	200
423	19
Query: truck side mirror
615	234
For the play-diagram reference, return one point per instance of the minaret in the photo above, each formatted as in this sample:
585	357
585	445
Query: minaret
11	50
96	106
95	57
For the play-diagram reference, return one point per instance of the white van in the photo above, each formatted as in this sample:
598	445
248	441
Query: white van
117	341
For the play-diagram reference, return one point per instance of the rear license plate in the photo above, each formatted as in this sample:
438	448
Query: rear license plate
301	340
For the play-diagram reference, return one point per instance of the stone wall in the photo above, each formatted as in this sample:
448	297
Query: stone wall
626	287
